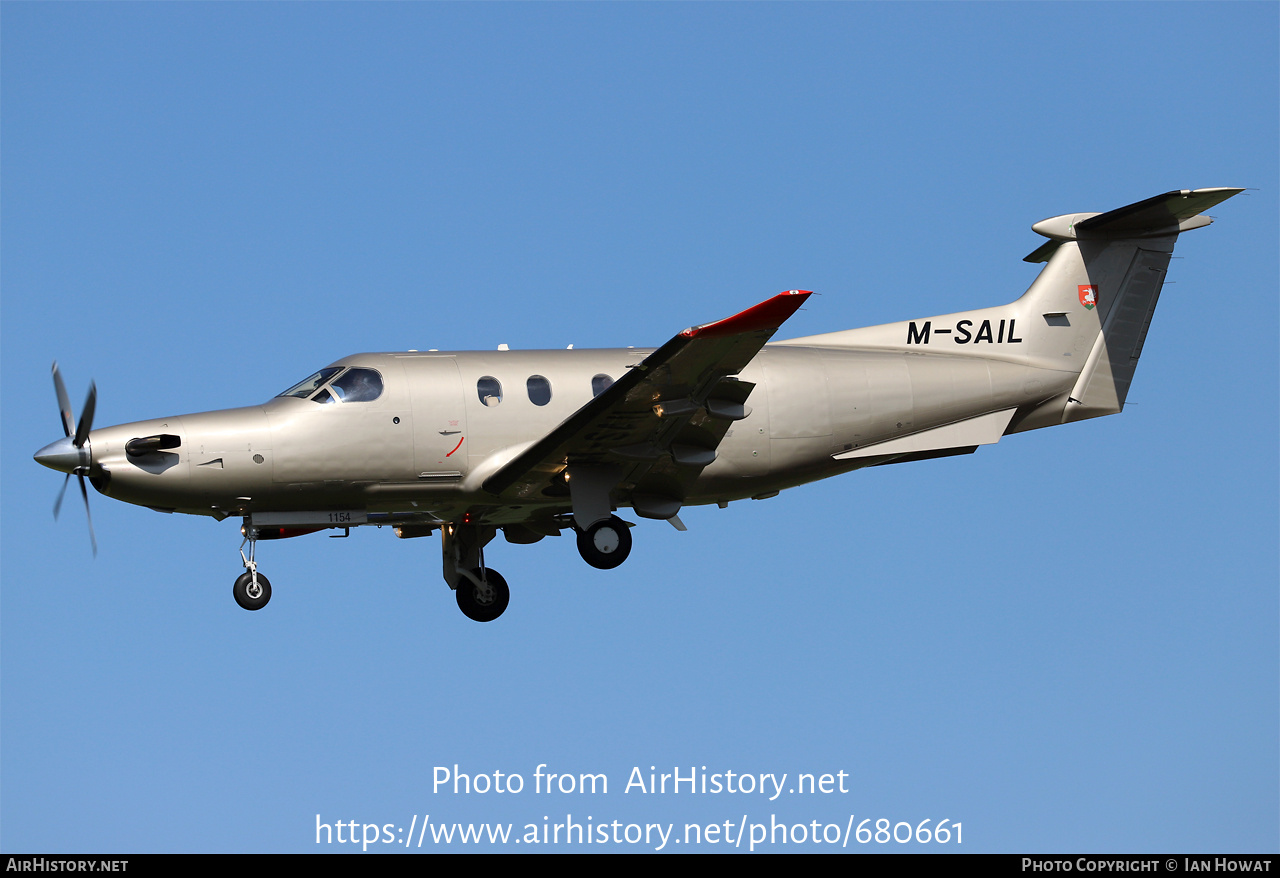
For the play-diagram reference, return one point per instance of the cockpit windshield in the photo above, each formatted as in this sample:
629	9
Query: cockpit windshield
355	385
303	389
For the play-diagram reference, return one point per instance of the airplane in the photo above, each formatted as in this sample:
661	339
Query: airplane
533	443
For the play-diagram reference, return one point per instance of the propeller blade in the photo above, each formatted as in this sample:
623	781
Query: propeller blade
64	402
58	505
81	434
86	417
93	541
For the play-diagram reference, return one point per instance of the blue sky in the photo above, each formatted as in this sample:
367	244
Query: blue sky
1073	645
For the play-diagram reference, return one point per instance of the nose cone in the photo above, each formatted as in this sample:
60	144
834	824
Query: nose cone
62	455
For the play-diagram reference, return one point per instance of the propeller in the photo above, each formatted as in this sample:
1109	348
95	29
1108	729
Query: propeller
72	454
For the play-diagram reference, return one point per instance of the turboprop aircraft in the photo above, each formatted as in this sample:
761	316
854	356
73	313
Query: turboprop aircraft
532	443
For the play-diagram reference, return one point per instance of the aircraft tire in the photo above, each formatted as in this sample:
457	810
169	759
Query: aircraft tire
483	611
605	544
240	591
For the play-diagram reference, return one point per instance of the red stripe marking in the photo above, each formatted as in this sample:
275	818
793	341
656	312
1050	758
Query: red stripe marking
769	314
456	447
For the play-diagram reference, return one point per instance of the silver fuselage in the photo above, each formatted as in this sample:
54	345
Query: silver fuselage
422	449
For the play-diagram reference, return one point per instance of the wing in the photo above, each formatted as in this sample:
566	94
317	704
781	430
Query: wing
645	439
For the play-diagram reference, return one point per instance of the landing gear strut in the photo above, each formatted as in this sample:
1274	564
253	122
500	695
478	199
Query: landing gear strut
252	590
605	544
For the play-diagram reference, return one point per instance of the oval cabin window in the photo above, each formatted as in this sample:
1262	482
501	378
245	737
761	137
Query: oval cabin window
490	390
539	390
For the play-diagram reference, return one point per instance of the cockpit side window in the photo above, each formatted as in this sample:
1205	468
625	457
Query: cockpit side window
303	389
358	385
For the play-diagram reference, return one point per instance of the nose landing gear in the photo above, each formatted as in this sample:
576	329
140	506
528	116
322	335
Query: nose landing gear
252	590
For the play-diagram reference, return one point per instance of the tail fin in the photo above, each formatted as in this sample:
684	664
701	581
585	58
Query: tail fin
1119	259
1086	314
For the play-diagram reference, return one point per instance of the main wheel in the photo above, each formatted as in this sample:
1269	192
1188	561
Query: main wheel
249	596
483	605
605	544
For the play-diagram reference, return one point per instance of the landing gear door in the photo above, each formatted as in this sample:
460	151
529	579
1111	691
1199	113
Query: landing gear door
439	419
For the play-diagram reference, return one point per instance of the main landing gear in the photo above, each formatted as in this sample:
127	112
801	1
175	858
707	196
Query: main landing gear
481	591
605	544
482	594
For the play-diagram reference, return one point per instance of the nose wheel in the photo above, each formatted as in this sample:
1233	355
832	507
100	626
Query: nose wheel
252	591
605	544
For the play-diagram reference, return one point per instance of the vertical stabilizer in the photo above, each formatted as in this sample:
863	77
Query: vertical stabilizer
1085	317
1124	254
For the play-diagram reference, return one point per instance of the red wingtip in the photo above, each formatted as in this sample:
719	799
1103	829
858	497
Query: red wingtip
769	314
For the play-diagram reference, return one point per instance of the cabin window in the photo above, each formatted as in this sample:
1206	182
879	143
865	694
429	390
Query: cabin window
599	384
489	390
358	385
539	390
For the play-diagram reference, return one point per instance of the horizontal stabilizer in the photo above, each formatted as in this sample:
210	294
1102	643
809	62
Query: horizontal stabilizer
982	430
1170	213
1159	214
1043	252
